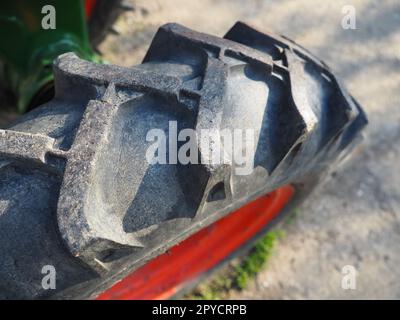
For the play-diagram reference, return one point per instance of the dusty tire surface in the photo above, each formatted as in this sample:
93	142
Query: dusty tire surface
78	193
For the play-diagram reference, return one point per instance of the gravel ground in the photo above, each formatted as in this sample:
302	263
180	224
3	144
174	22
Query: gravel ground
354	219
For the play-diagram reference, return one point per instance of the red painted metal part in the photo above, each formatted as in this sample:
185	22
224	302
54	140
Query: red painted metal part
163	276
89	6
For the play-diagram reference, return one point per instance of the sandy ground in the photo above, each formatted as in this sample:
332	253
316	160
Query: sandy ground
354	219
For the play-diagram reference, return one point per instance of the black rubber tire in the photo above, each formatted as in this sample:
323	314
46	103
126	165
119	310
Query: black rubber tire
80	193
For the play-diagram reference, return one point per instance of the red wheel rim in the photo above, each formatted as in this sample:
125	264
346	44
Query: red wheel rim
89	6
163	276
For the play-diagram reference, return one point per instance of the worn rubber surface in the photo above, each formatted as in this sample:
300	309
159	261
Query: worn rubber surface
78	193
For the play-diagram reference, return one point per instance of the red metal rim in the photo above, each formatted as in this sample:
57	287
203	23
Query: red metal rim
89	6
163	276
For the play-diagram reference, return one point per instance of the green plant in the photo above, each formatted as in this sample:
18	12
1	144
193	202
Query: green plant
257	258
292	217
238	276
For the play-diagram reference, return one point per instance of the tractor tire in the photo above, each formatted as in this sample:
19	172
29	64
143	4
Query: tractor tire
77	193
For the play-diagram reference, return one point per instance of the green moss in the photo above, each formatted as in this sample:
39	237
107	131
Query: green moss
292	216
238	276
214	289
257	258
